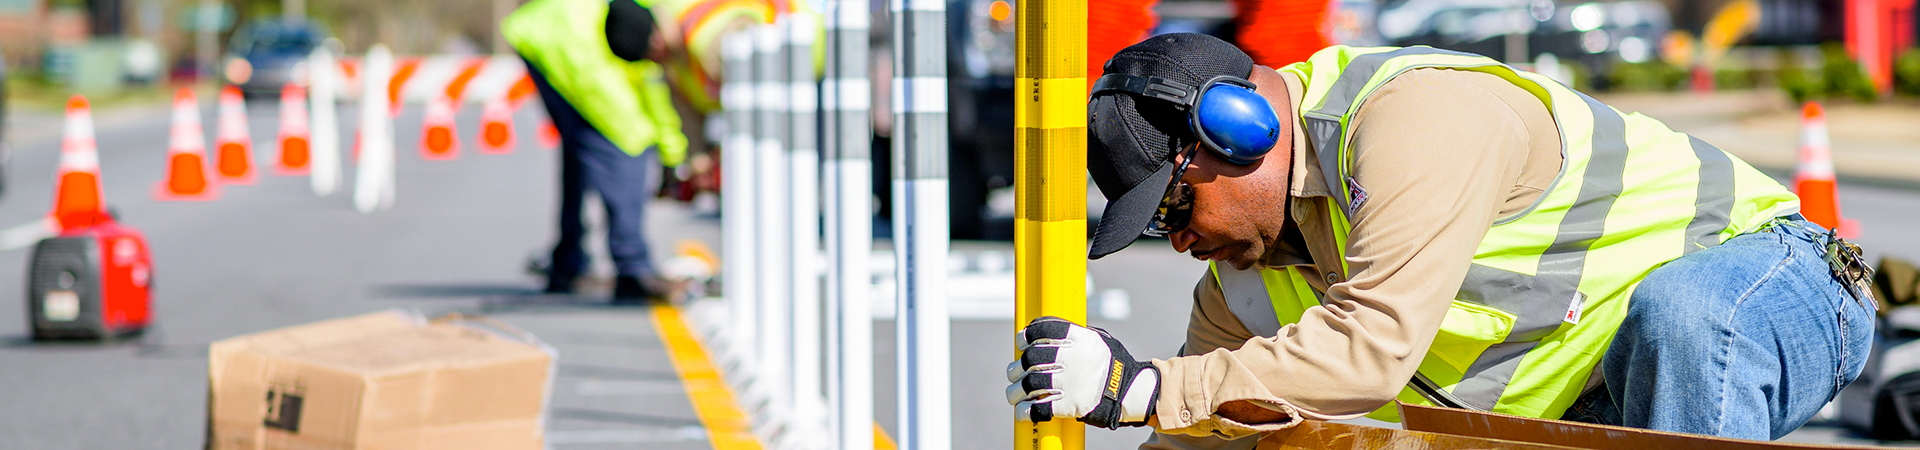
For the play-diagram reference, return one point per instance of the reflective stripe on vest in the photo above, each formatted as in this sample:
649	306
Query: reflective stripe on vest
1531	285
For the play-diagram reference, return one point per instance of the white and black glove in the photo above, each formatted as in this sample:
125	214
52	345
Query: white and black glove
1067	371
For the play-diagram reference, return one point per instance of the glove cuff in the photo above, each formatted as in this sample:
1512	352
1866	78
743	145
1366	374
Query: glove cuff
1138	404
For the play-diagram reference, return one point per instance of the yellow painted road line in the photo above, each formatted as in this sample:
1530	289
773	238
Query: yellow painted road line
713	402
881	441
726	424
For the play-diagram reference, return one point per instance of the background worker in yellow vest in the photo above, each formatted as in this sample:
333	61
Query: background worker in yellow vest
594	64
1426	226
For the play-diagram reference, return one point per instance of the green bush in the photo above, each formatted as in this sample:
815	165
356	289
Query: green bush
1733	78
1906	73
1844	76
1838	76
1647	76
1801	84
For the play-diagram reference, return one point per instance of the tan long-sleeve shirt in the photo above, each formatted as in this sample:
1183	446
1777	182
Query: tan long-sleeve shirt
1442	155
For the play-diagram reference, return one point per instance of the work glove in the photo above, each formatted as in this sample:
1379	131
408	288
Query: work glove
1067	371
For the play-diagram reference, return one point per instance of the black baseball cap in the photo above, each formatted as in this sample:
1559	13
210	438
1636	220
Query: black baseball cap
1132	140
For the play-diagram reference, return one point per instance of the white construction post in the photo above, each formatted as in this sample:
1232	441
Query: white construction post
803	193
776	361
736	194
323	142
848	145
920	222
373	179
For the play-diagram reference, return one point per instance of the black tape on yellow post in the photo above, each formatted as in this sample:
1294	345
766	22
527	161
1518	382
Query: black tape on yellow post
1050	182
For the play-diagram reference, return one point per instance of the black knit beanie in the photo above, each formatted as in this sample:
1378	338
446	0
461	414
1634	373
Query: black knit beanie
629	29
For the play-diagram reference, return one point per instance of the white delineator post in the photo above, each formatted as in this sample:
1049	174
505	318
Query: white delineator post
803	194
776	359
736	195
323	143
373	180
849	214
920	222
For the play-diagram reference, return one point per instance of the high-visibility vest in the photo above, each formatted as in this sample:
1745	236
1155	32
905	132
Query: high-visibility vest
698	25
1549	286
629	102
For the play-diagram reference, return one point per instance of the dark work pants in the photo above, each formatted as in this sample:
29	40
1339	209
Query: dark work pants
588	161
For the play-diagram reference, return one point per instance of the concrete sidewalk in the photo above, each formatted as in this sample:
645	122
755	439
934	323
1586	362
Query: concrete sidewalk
1871	142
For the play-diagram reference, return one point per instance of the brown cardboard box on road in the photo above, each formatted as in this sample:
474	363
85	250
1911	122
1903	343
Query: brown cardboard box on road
387	380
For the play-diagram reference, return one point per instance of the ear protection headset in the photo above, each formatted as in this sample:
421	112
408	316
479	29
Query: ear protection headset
1224	112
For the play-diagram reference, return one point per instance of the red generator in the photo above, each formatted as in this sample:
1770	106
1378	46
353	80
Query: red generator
90	283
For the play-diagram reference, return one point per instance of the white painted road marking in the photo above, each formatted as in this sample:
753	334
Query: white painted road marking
26	234
682	434
608	387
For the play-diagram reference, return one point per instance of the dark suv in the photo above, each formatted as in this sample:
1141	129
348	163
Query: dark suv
267	54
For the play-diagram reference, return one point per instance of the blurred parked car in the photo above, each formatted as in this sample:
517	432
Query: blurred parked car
265	55
1595	35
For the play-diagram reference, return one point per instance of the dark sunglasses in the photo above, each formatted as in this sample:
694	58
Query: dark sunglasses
1176	206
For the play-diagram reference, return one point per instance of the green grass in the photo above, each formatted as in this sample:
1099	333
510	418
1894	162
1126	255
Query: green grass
34	93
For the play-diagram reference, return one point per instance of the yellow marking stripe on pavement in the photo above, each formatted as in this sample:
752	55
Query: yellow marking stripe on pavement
725	423
881	441
713	402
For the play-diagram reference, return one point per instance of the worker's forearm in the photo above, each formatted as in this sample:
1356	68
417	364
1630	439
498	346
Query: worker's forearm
1251	414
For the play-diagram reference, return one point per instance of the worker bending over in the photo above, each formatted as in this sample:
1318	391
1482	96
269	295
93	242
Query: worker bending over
593	62
1434	227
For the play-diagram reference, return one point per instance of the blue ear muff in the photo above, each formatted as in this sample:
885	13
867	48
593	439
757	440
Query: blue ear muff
1227	115
1235	121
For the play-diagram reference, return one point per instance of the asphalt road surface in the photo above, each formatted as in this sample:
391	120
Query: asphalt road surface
274	254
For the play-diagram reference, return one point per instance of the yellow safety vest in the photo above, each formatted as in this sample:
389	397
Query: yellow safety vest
630	103
1548	286
699	25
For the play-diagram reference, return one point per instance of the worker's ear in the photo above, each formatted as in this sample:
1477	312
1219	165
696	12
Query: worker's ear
629	29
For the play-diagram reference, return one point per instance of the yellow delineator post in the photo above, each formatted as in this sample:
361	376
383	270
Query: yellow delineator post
1050	164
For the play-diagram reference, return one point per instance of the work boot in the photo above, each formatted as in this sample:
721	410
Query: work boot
559	285
630	289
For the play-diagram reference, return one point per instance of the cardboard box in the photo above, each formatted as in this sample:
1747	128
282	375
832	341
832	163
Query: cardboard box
388	380
1477	424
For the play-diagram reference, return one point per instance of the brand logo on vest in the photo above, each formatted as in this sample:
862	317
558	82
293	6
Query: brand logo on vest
1113	379
1573	308
1356	196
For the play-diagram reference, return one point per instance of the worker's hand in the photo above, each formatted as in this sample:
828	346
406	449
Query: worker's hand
1068	371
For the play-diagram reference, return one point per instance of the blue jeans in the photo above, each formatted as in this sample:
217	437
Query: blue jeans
1747	340
625	184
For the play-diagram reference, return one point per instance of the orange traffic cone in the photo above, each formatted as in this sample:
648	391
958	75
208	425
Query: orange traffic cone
77	198
294	133
234	143
438	141
549	135
496	127
186	155
1813	179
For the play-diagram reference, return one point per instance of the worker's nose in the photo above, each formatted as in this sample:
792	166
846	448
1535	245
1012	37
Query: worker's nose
1183	240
